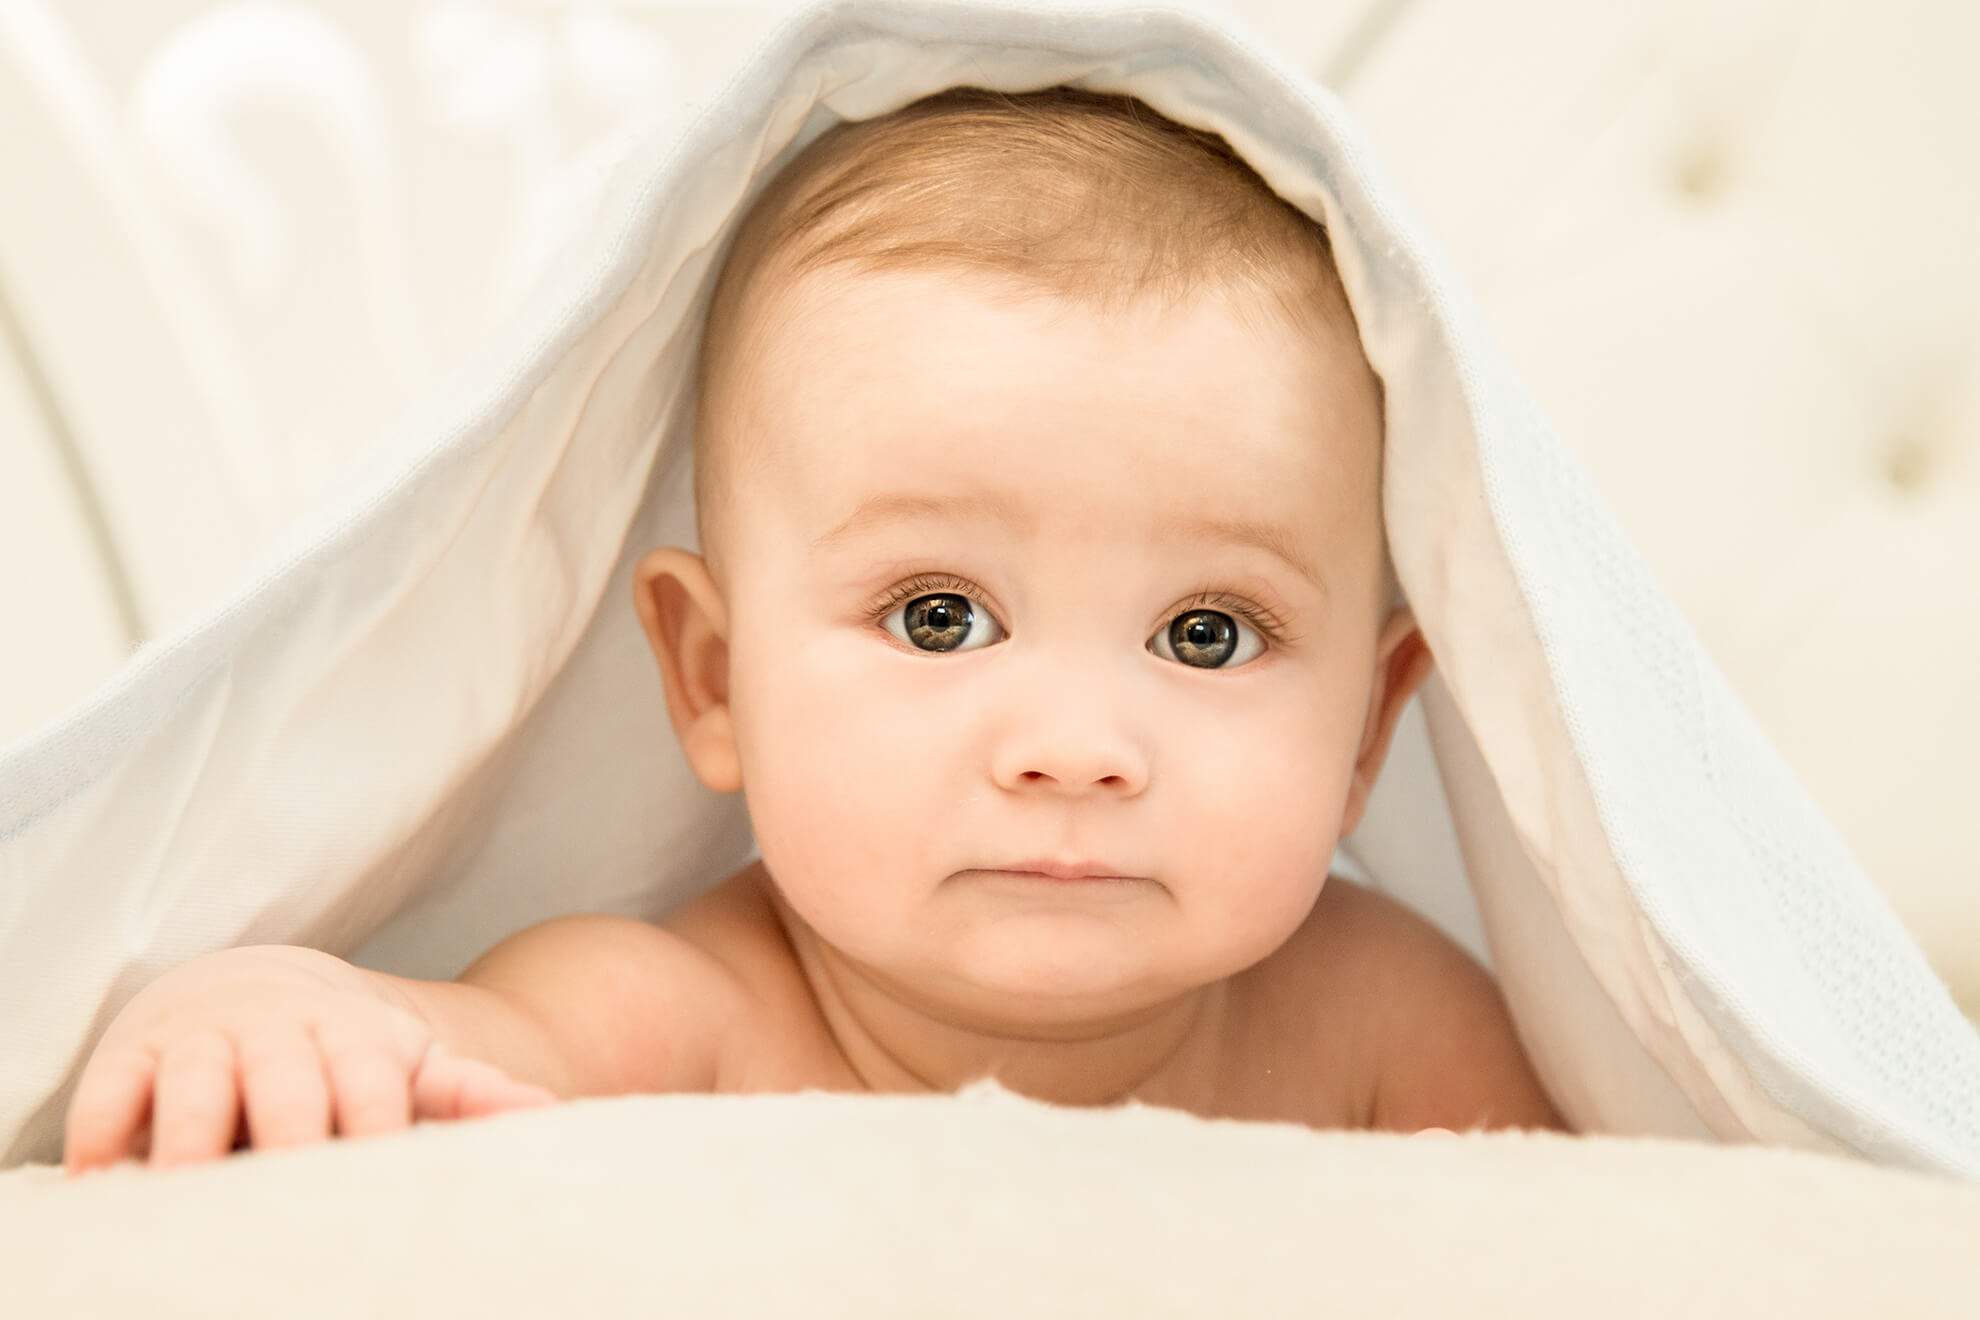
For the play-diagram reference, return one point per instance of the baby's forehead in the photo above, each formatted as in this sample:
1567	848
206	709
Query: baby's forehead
954	393
927	343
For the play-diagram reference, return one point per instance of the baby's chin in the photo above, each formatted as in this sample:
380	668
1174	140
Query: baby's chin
1008	959
1049	988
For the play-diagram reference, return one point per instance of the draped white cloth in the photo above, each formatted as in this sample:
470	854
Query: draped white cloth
433	719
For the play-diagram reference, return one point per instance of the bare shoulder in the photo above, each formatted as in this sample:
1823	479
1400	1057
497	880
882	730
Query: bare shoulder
633	1006
1410	1015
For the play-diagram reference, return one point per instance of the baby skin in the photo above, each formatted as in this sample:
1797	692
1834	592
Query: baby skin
1052	674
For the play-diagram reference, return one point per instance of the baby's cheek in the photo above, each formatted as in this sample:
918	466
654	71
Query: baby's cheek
1270	814
827	776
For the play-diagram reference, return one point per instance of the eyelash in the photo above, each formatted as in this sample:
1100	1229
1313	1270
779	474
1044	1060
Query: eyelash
1269	624
926	585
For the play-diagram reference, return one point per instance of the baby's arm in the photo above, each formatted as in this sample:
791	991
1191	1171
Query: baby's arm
1445	1053
292	1045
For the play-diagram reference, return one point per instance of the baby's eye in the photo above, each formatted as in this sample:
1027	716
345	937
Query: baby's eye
1207	639
943	621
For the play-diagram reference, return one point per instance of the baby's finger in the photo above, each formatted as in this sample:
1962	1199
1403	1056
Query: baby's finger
450	1088
370	1091
109	1109
196	1103
283	1088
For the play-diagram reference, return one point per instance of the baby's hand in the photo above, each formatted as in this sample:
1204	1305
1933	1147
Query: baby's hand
285	1046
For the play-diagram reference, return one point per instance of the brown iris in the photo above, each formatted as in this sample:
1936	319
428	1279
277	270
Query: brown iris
938	623
1204	639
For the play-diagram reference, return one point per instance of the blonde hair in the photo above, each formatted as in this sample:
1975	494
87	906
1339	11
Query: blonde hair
1095	198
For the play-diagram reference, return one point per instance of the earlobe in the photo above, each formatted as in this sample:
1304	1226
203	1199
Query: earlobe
1402	664
687	625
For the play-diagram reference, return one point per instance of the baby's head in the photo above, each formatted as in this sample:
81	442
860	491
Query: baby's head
1038	471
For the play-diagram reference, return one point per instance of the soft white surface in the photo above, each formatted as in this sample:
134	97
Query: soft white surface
387	726
986	1206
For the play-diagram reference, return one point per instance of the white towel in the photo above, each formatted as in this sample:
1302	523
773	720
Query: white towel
433	718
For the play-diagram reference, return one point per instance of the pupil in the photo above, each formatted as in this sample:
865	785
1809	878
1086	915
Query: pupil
1203	638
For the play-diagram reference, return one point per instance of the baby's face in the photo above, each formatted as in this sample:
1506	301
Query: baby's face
1053	637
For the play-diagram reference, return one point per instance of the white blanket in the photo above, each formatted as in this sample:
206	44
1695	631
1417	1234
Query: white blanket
988	1206
431	719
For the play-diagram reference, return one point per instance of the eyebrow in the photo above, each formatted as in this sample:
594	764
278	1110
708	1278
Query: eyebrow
908	506
1253	535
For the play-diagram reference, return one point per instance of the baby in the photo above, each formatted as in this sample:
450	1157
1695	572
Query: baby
1044	617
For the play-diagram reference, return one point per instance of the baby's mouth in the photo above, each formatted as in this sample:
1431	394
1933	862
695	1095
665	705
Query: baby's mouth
1064	871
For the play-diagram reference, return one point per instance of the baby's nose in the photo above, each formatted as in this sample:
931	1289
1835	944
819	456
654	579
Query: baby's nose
1067	752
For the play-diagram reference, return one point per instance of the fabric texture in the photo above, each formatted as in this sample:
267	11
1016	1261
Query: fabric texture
430	718
986	1205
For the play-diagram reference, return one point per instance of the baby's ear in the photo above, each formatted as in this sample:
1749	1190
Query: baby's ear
1402	663
687	624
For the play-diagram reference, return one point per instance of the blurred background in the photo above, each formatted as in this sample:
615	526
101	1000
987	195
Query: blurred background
1729	242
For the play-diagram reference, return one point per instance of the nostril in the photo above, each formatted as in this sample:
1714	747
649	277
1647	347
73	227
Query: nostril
1074	779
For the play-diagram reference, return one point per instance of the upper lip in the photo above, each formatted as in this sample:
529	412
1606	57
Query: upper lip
1064	869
